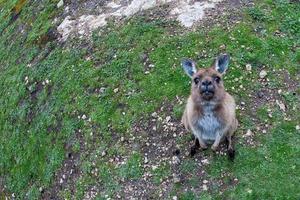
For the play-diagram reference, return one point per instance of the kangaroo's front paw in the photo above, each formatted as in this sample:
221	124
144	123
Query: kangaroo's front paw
203	146
193	151
231	154
214	148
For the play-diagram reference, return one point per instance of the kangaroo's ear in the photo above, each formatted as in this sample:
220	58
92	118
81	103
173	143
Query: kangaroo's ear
221	63
189	66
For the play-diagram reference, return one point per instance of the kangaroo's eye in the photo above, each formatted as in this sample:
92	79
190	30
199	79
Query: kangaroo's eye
217	79
197	80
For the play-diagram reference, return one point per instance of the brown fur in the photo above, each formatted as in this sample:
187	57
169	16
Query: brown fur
221	106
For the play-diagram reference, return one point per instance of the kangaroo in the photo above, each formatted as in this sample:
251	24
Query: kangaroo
210	110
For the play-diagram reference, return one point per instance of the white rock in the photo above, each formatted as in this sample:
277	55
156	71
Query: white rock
204	187
248	67
248	133
297	127
60	4
154	114
262	74
116	90
281	105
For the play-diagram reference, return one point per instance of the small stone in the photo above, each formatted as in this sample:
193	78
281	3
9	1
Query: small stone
83	117
103	153
205	181
248	67
168	118
176	178
205	161
175	160
223	47
297	127
64	176
154	114
279	91
60	4
154	128
262	74
146	160
248	133
116	90
260	94
204	187
122	139
281	105
264	131
61	181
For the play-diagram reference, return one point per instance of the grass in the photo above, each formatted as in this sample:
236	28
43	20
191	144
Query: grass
47	88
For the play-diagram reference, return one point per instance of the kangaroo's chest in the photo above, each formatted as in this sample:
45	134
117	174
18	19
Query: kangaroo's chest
209	125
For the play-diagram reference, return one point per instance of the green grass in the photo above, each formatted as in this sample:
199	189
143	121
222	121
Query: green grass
38	121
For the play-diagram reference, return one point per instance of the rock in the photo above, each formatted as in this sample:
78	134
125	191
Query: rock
60	4
168	118
279	91
154	115
262	74
122	139
205	161
204	187
176	178
297	127
145	160
205	181
103	153
248	67
116	90
260	94
281	105
83	117
222	47
248	133
175	160
174	198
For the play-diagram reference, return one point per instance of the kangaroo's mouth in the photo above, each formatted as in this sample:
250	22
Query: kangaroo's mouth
207	94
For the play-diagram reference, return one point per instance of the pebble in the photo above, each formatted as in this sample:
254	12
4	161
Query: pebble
103	153
260	94
116	90
205	188
262	74
60	4
297	127
175	160
248	133
248	67
122	139
154	114
176	178
146	160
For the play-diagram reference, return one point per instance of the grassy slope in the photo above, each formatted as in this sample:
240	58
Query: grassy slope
37	121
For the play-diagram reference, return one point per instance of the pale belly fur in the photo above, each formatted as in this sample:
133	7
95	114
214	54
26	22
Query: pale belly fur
209	126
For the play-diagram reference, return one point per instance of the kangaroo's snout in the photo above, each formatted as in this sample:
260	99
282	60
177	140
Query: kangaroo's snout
207	89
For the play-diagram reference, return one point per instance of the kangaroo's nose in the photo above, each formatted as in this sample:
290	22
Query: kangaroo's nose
206	83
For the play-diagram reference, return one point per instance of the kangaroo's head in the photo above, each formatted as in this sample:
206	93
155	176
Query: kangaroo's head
207	83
